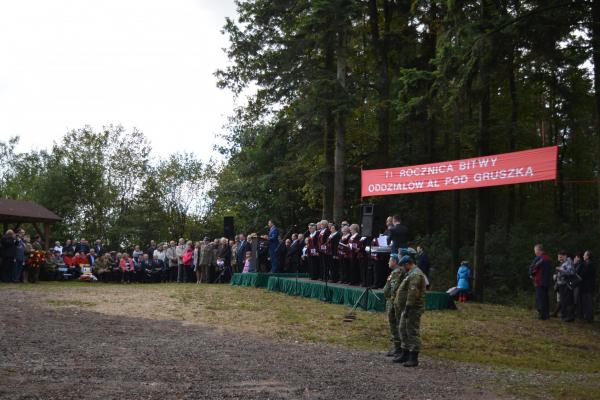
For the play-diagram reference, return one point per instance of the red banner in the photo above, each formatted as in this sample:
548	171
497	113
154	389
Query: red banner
501	169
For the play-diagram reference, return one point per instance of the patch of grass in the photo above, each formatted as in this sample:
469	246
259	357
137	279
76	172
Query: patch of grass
560	390
511	337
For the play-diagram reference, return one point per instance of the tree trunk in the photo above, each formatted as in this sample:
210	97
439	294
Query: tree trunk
481	202
482	146
512	134
455	222
430	213
340	137
329	141
430	43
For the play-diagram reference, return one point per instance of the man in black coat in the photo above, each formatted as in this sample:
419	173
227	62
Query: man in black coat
398	238
295	252
82	246
99	248
281	254
243	247
587	288
423	261
150	249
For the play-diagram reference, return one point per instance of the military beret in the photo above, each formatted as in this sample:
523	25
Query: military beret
407	251
406	260
394	257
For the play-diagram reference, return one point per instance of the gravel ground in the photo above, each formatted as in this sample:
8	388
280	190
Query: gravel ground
69	353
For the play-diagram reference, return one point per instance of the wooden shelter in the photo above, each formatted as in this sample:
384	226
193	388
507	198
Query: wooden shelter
18	212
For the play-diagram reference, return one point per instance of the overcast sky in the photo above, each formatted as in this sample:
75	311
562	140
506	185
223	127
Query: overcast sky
139	63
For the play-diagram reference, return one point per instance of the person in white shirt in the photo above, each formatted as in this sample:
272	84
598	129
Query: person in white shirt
57	248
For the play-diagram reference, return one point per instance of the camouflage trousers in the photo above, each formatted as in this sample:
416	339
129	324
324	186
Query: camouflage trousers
393	322
410	325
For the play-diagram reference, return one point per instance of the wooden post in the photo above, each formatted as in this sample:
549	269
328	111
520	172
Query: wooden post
37	229
46	236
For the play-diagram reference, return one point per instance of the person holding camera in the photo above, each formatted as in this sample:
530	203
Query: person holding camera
564	272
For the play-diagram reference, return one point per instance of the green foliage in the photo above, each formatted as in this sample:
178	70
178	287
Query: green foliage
104	186
428	64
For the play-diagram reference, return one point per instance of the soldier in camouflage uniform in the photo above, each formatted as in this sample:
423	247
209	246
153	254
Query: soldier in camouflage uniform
389	292
410	299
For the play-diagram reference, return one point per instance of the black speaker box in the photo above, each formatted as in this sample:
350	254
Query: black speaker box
367	219
228	229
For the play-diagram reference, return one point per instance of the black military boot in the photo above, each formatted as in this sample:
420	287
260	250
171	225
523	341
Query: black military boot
401	357
413	359
394	351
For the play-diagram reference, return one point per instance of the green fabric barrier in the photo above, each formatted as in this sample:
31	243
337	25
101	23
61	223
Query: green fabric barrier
348	295
338	294
257	279
439	301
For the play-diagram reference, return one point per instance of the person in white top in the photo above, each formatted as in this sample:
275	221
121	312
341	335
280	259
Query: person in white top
57	248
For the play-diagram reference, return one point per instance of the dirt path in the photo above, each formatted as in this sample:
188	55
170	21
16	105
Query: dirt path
68	353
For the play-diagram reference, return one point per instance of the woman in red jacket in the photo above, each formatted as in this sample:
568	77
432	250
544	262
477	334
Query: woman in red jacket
188	260
127	268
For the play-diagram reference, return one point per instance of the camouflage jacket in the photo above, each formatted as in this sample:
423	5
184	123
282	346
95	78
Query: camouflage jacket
391	286
411	291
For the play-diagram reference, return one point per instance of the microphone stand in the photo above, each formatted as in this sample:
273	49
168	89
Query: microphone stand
351	316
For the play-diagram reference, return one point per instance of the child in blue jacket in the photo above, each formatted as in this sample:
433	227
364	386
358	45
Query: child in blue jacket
464	277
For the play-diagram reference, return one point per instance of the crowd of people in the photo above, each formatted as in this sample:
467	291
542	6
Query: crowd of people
184	261
326	251
573	281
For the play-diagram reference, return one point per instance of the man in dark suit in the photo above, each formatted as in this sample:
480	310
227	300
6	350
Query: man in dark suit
243	247
82	247
294	253
150	249
281	254
398	238
99	248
